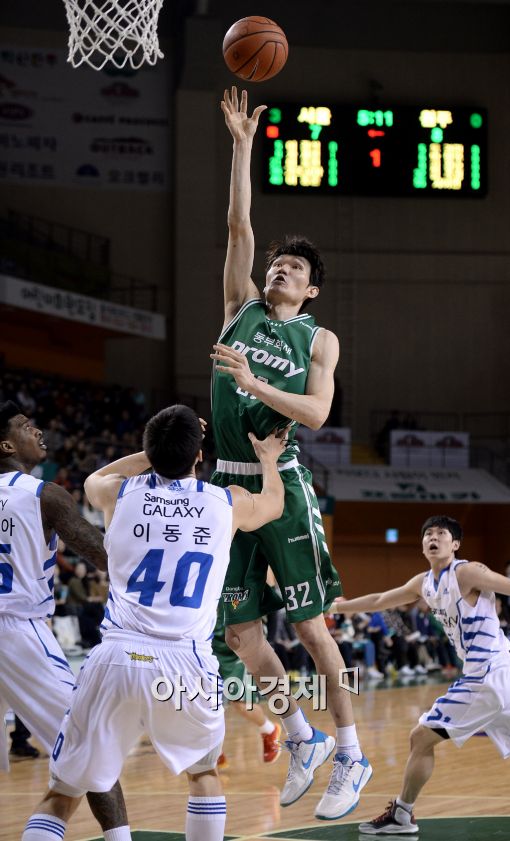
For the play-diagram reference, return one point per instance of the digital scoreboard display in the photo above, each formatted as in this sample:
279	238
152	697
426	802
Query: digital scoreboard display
359	151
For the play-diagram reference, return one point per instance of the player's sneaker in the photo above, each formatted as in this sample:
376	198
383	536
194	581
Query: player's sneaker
347	780
394	821
305	758
271	745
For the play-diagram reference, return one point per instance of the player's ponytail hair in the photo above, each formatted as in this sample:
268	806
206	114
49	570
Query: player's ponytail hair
172	440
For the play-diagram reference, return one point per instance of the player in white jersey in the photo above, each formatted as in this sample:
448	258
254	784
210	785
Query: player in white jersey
35	679
460	594
168	539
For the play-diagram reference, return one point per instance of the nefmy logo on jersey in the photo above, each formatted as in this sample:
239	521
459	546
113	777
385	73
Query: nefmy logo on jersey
236	597
142	658
264	357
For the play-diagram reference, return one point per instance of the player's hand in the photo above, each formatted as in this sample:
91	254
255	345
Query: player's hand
203	424
241	126
230	361
271	447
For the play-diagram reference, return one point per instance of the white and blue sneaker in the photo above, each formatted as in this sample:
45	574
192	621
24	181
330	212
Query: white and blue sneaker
347	780
305	758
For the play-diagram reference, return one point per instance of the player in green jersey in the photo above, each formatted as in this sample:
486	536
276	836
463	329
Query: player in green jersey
274	364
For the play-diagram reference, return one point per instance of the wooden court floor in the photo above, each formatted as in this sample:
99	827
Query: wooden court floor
468	797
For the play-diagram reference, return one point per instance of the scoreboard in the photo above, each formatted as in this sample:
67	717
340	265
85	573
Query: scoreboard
359	151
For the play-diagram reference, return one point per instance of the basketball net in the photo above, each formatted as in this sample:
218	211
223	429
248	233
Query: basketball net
120	31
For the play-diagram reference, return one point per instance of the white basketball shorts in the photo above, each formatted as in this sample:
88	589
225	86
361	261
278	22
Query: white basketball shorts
36	680
474	704
114	703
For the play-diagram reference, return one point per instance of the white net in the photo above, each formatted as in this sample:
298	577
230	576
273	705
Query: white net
120	31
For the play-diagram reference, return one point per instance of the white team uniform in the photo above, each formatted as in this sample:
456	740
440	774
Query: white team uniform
168	549
480	699
35	678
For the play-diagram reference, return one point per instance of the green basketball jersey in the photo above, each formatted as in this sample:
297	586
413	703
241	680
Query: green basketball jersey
279	352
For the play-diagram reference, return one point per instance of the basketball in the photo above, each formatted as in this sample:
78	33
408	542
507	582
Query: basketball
255	49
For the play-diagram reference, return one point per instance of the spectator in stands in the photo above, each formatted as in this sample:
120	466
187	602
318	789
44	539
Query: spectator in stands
25	400
382	441
287	646
404	650
83	606
503	614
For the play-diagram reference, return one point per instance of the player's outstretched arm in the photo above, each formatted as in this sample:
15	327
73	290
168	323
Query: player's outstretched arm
251	511
60	513
237	283
407	594
310	409
476	576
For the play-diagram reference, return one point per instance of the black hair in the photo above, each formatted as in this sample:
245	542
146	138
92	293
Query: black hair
172	440
441	521
8	411
299	247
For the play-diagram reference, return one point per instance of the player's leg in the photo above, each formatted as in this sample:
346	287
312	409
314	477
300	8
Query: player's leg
207	810
308	581
230	666
309	748
102	709
398	818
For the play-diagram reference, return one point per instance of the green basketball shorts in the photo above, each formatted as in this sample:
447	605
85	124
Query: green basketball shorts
293	546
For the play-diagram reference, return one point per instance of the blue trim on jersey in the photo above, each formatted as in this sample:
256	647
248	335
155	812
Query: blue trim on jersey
53	541
110	597
108	616
39	489
436	583
50	562
229	496
469	635
469	691
444	700
152	480
47	599
48	654
470	619
200	486
461	636
121	489
476	659
5	548
487	650
15	478
196	655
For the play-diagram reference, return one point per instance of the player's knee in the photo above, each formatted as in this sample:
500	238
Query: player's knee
245	641
420	738
312	633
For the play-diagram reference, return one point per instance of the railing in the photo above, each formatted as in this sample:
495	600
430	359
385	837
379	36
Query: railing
43	232
67	258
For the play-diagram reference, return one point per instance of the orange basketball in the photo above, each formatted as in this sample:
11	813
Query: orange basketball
255	49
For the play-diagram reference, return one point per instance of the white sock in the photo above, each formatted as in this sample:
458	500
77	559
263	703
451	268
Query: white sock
407	806
44	828
347	742
120	833
205	819
267	727
297	727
